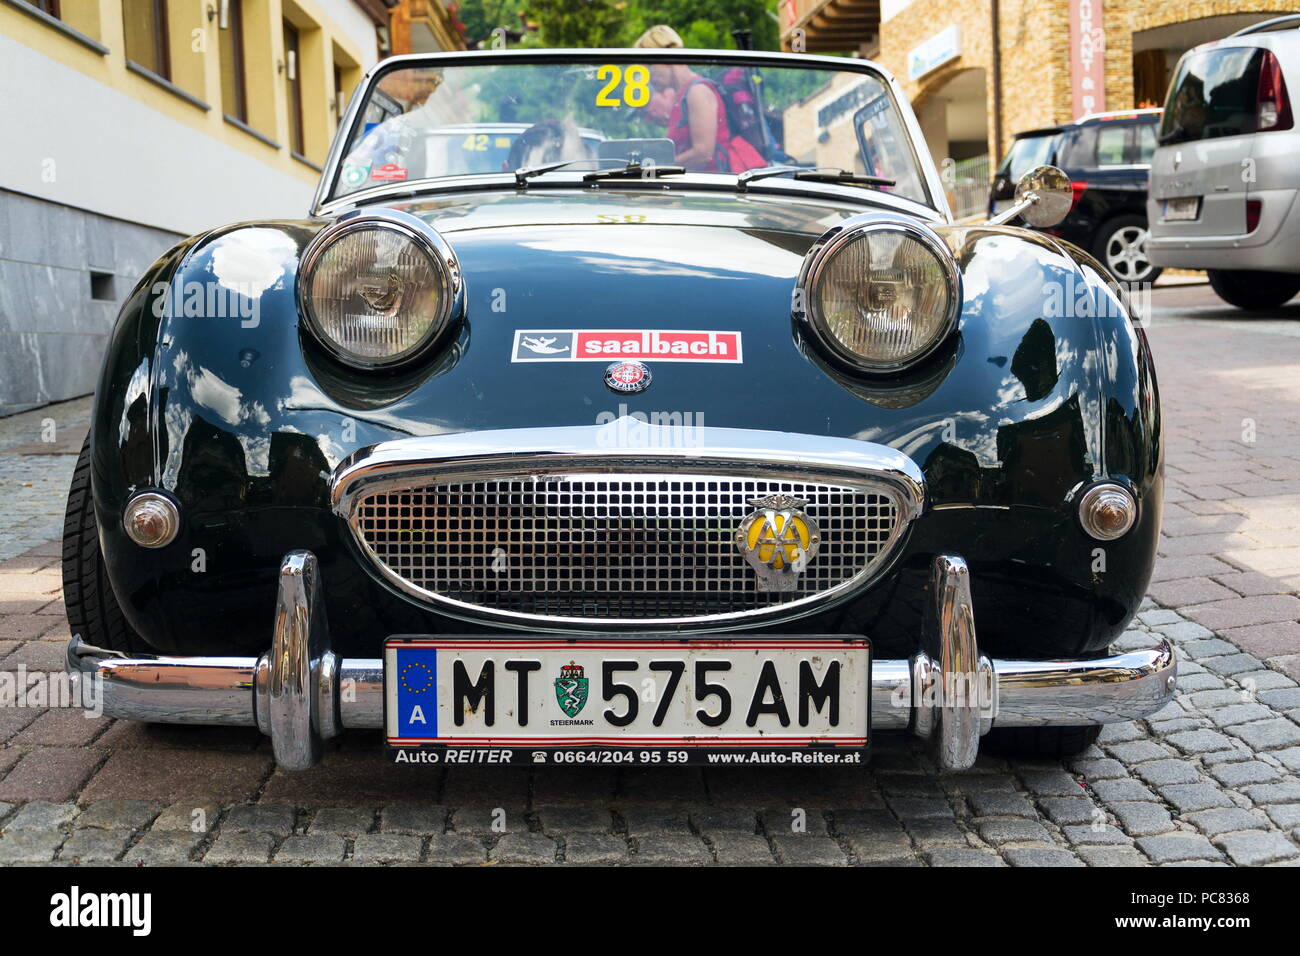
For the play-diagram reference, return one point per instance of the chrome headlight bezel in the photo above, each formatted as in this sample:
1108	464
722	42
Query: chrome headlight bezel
823	252
427	240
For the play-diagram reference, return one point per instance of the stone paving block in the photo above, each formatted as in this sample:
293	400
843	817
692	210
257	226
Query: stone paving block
29	846
1102	769
1284	815
1117	733
456	849
716	819
311	848
1284	698
1244	772
1207	700
1226	820
1199	741
489	821
927	834
1214	647
1001	832
1112	856
42	815
605	849
1286	792
1142	819
345	821
809	851
188	816
1095	835
1268	734
412	819
1254	848
1161	772
1039	856
95	845
995	803
260	817
880	845
920	808
1189	797
968	856
647	820
156	847
120	814
1176	847
1138	751
54	774
522	847
671	849
387	848
1069	810
1051	783
241	847
1236	714
1128	790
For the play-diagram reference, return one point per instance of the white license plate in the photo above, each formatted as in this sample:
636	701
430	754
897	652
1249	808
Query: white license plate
1181	209
626	693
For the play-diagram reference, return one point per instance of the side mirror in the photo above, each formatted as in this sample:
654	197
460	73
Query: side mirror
1043	198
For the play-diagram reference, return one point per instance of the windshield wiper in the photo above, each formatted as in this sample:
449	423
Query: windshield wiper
816	174
625	170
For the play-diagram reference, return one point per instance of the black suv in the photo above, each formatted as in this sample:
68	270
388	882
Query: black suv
1107	157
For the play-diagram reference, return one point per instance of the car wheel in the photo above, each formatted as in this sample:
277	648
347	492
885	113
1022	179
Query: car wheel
1254	290
1040	741
1122	248
93	611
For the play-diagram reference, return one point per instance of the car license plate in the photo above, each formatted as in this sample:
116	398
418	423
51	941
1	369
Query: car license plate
627	700
1179	209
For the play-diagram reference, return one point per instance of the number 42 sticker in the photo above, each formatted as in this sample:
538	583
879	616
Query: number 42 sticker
635	82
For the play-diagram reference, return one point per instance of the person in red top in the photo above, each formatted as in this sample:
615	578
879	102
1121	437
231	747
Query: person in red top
697	124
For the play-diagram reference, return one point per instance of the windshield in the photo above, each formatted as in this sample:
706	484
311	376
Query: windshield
425	122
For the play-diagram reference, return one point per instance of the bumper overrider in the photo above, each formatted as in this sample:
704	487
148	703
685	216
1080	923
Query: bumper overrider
301	694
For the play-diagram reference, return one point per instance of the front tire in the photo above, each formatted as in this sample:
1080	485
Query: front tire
1255	291
1122	247
93	612
1040	742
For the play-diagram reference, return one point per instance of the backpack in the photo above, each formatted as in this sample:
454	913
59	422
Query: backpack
734	152
743	113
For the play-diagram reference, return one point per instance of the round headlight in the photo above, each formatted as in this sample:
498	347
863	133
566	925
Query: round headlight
880	294
378	288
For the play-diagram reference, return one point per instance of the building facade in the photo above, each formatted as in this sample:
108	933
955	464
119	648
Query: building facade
977	73
132	123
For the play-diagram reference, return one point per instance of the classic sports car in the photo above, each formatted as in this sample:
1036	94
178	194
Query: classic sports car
621	459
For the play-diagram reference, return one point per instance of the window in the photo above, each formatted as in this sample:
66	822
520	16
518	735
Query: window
145	25
1111	142
47	6
1213	95
340	95
234	92
293	87
1145	143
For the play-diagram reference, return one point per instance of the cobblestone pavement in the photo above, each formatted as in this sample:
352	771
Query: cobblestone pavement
1213	779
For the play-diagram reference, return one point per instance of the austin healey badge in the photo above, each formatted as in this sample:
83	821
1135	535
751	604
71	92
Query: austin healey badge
778	539
571	689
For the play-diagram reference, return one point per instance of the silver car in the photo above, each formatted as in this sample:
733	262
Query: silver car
1224	177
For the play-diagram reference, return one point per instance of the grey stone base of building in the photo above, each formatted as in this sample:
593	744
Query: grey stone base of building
63	275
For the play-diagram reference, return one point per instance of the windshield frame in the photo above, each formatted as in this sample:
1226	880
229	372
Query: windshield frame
325	201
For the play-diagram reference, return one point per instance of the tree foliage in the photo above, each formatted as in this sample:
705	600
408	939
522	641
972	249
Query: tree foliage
702	24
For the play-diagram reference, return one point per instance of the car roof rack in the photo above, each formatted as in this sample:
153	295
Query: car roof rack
1276	23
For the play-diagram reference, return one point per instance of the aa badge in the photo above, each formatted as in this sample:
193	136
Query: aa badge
571	689
778	539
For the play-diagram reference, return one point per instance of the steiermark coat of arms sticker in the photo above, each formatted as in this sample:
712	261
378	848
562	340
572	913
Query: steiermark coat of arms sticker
571	689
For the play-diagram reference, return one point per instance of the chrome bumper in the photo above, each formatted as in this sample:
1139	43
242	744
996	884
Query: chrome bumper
301	694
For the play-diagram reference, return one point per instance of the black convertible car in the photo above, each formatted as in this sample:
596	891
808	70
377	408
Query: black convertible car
647	450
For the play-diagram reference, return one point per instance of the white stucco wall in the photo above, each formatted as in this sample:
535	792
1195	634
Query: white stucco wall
72	140
347	18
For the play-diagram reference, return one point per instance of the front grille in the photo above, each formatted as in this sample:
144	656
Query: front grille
635	547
